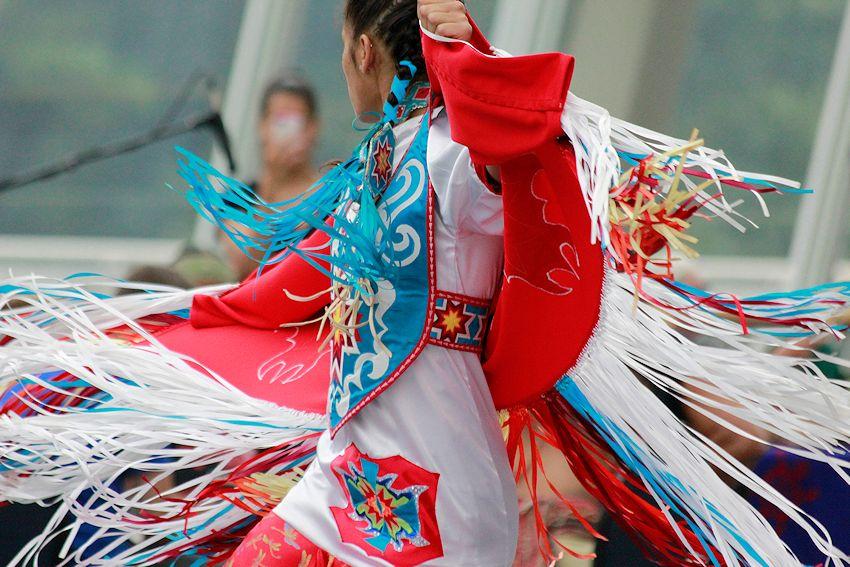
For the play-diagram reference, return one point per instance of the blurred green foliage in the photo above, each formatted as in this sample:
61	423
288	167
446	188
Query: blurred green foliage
75	74
754	81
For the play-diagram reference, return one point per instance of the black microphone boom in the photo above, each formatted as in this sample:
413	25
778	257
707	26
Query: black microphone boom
210	120
220	132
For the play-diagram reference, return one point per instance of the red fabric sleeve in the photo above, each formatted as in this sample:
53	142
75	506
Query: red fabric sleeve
507	111
498	107
260	302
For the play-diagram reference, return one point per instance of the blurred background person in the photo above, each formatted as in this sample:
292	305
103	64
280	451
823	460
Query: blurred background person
289	133
814	487
557	486
19	523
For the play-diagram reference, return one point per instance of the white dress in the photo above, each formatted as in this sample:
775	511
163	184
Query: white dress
439	415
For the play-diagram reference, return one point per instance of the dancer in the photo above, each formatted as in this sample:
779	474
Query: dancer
486	202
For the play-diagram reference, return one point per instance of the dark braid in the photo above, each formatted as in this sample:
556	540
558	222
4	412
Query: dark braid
395	23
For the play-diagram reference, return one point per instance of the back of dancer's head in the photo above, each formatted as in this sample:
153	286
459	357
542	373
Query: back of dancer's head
394	22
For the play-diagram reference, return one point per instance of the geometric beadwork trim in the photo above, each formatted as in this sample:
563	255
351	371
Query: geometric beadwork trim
460	321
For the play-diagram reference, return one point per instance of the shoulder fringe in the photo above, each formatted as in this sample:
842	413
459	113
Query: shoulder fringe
602	143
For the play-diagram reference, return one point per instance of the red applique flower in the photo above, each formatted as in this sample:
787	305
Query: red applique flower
391	511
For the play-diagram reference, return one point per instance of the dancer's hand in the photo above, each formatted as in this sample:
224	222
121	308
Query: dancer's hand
446	18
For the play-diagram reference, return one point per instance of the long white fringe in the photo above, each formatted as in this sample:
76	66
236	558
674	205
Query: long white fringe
161	414
802	411
597	138
85	303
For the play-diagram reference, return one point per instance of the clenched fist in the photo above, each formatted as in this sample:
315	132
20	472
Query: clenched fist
446	18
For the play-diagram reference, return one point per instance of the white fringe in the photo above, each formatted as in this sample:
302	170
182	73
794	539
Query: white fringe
597	137
789	398
61	306
159	407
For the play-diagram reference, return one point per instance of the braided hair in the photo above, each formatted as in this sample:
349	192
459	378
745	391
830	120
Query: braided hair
395	23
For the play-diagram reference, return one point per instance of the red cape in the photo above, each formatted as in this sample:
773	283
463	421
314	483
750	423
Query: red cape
238	335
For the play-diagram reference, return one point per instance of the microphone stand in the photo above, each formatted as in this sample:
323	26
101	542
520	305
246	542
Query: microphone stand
210	120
